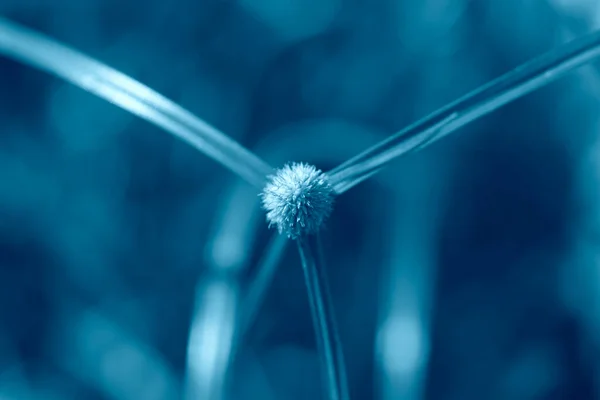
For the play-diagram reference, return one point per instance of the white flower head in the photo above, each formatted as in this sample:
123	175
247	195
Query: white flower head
298	199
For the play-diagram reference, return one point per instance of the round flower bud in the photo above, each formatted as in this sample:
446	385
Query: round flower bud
298	199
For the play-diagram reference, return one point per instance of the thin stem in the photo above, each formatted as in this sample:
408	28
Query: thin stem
39	51
257	290
251	302
328	342
491	96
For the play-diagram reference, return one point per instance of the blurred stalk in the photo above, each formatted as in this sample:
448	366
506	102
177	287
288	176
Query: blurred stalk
328	342
491	96
259	286
222	316
211	338
38	51
408	282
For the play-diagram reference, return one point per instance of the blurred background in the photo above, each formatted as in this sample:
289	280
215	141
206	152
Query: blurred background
468	271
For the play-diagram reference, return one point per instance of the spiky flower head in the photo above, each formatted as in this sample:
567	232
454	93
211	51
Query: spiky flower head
298	199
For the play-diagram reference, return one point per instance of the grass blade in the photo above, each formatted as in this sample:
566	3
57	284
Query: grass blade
491	96
328	342
38	51
210	344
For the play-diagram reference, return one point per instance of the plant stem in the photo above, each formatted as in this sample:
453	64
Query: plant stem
520	81
210	344
250	302
38	51
328	342
253	299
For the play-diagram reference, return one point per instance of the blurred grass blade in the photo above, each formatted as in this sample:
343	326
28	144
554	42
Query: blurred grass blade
251	302
328	342
46	54
259	286
508	87
211	337
407	290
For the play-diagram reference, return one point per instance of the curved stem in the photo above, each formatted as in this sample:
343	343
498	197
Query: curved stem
491	96
328	342
38	51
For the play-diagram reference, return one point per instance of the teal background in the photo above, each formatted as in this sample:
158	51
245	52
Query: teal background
107	223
